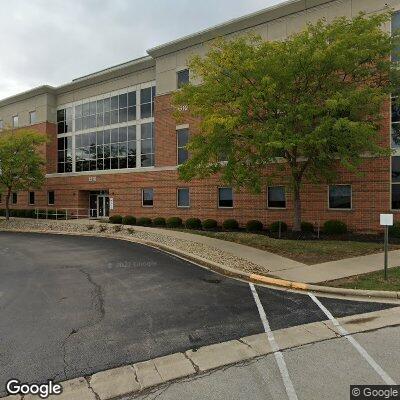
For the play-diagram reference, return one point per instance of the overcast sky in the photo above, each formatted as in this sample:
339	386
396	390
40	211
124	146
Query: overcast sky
53	41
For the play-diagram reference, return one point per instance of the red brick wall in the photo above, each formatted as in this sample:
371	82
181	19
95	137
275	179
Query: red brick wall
371	187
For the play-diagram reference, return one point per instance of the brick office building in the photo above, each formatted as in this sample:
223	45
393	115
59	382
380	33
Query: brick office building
113	142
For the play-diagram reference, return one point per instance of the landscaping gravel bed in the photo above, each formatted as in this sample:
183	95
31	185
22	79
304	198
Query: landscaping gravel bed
198	249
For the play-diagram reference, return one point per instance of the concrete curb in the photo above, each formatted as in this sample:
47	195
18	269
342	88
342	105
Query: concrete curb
231	272
146	376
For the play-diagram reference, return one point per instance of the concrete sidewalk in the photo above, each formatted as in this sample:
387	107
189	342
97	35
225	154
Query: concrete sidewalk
285	268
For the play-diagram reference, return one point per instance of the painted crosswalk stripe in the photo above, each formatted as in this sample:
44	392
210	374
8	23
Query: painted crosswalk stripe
385	377
275	348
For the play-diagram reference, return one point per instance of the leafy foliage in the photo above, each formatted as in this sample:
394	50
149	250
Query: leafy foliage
254	226
21	164
334	227
314	100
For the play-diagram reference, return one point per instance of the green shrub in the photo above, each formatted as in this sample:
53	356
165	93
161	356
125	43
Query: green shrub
159	221
307	227
144	221
254	226
174	222
274	227
394	231
210	224
334	227
117	228
115	219
193	223
129	220
230	224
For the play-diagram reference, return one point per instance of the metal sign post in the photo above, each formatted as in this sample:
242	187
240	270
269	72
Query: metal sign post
386	221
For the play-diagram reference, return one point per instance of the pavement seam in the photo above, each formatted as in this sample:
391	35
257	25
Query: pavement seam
87	379
194	365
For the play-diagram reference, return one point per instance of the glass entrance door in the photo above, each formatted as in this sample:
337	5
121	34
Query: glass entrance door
103	206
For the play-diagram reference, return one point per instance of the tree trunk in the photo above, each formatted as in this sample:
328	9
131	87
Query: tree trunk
8	195
297	207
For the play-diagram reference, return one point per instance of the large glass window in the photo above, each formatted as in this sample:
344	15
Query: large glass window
225	197
32	117
50	198
64	163
147	144
64	120
182	78
14	198
276	197
396	27
147	197
396	183
147	97
340	197
182	141
1	124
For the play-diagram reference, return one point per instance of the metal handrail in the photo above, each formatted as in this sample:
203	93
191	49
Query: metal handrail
62	213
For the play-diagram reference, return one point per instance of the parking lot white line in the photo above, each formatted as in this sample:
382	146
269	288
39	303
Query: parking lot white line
386	378
275	348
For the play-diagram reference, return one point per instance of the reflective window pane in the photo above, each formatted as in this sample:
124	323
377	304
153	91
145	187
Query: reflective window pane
225	197
340	196
276	197
183	197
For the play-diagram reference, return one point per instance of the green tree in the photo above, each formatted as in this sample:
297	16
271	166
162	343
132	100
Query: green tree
302	107
21	164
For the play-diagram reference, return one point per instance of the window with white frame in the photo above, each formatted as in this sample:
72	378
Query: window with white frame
340	197
32	118
147	197
182	139
183	197
15	121
107	131
182	78
225	197
276	197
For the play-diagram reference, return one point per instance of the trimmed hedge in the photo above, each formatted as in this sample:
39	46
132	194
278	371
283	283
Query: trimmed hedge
394	230
129	220
144	221
29	213
159	221
210	224
254	226
274	227
230	224
334	227
193	223
115	219
174	222
307	227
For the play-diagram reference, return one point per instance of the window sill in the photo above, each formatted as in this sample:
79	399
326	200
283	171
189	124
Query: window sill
277	208
341	209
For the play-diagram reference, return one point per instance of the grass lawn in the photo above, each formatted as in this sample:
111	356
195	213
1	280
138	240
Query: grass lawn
308	252
371	281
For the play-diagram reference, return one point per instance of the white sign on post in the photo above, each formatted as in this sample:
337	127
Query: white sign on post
111	203
386	219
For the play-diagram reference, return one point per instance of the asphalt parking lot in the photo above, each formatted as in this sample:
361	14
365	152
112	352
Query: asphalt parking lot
72	306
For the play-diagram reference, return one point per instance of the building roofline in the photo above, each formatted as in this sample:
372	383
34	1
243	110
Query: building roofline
234	25
37	91
96	77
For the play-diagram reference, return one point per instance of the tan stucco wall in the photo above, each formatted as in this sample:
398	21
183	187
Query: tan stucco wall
278	29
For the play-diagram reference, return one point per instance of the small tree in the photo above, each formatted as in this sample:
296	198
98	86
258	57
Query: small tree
313	101
21	165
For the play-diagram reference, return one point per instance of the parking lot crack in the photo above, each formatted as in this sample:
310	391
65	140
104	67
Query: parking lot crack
195	366
336	333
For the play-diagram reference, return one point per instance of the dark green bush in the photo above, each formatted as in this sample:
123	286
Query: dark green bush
334	227
274	227
307	227
159	221
193	223
254	226
144	221
174	222
230	224
210	224
115	219
394	231
129	220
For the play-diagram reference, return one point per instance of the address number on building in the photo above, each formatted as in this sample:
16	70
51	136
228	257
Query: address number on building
92	178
